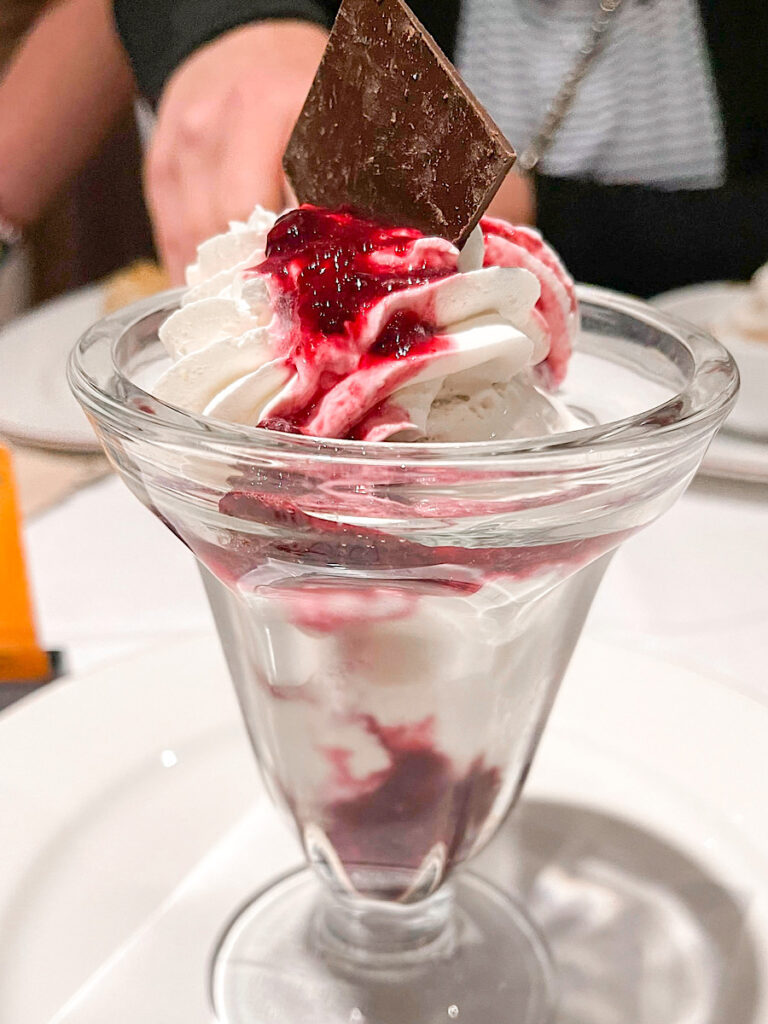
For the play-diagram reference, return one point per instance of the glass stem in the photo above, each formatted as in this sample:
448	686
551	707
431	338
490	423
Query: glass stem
373	933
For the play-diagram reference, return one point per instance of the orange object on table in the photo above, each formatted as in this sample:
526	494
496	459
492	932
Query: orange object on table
21	658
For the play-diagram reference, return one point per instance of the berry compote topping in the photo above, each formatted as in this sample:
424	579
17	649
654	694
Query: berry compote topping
326	271
332	266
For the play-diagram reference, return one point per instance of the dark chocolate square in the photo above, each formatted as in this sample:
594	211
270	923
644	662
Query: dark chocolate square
390	130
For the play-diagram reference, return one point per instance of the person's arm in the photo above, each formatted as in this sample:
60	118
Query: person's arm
62	92
644	240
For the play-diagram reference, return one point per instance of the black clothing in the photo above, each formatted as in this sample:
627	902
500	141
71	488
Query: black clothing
159	34
632	237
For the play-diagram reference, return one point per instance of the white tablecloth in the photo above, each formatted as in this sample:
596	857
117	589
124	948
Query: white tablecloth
110	580
693	588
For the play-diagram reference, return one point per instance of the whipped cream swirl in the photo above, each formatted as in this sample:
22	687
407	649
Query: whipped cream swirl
334	327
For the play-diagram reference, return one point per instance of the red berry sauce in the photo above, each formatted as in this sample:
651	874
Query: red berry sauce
391	821
326	271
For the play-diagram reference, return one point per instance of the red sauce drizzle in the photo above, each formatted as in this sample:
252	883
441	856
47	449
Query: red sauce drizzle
327	269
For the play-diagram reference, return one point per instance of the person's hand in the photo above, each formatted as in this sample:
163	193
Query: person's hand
516	200
224	119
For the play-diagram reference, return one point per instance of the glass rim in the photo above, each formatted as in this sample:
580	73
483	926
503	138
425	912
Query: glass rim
704	401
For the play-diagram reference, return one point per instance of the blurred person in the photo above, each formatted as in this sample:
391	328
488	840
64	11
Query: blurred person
64	88
657	177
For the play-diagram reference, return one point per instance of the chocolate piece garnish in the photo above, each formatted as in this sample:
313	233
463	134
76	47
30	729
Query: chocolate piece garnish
390	130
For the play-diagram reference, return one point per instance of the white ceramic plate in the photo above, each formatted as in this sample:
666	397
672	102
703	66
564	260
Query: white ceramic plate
703	305
127	837
36	405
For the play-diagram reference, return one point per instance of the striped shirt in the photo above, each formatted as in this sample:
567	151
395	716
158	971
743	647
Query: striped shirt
647	111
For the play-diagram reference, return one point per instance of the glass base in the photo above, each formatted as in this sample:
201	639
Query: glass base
277	963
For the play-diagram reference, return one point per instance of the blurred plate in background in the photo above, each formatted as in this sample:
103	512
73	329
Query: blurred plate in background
36	405
706	305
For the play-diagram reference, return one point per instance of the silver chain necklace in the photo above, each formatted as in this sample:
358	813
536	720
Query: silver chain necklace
566	94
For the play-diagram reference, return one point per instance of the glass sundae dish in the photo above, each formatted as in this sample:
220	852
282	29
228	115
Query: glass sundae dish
397	617
402	451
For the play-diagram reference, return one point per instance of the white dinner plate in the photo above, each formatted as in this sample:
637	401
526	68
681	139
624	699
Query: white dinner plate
36	405
700	303
705	305
132	824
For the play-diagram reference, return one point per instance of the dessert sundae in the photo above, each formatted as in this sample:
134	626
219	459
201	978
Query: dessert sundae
745	317
375	656
374	653
353	418
736	314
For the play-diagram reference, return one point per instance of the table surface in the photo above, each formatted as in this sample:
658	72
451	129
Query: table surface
109	580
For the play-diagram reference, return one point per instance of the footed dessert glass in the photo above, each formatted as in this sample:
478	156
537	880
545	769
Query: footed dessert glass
397	620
